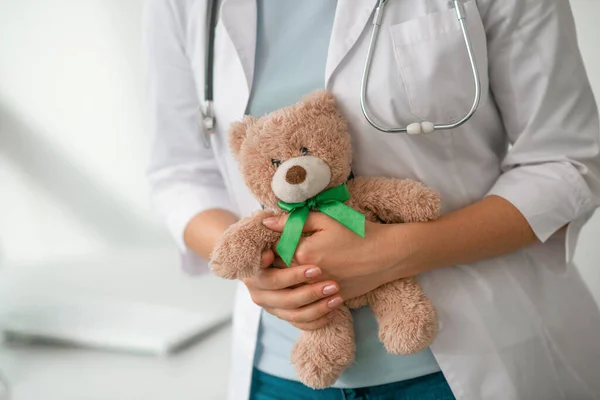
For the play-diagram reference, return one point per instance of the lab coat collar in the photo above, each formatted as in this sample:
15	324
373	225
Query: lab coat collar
239	18
351	17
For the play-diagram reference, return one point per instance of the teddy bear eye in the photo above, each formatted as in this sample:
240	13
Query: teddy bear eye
304	151
275	162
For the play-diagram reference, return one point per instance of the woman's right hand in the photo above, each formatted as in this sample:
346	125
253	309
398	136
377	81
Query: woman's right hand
294	294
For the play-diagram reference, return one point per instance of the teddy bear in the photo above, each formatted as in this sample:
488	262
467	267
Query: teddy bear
298	159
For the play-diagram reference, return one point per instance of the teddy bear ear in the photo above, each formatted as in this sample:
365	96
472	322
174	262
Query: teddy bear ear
238	132
320	99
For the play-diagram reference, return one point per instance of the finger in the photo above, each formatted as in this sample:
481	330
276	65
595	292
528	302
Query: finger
276	223
268	256
309	313
303	254
314	325
277	279
279	263
292	299
316	221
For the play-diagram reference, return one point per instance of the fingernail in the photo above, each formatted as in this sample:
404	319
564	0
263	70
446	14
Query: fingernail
270	221
334	303
311	273
329	290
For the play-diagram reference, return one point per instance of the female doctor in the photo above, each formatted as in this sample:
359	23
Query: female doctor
516	320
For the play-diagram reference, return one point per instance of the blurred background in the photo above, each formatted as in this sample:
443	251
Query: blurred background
75	222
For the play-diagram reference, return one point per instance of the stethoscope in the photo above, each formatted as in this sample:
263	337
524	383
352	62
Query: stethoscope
206	112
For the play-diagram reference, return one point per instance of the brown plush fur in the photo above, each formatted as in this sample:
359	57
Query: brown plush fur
238	251
320	356
407	319
315	124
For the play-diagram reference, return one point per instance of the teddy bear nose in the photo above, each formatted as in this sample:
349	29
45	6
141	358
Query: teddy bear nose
295	175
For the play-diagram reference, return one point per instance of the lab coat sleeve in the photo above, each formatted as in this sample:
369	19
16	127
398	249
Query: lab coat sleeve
183	176
551	173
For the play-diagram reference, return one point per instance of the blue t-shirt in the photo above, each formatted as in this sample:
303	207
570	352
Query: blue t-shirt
291	54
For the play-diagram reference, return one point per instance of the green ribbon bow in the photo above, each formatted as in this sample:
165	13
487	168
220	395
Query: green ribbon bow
331	203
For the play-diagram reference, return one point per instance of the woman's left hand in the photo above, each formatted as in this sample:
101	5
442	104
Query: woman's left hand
358	265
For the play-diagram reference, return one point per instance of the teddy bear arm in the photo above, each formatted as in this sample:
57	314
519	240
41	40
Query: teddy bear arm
396	200
238	252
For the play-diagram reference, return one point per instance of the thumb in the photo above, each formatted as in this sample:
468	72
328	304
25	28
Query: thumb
276	223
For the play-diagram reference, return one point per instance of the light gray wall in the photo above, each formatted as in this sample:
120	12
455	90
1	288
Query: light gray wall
74	138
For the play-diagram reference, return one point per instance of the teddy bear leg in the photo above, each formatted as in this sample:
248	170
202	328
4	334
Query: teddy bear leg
320	356
407	319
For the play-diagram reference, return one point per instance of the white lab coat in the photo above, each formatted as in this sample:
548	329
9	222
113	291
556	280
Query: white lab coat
522	326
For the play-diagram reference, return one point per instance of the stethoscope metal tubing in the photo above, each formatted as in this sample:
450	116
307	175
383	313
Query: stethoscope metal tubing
461	16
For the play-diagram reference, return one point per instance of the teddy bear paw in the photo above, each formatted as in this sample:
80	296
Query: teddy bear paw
229	264
234	271
320	365
409	333
428	202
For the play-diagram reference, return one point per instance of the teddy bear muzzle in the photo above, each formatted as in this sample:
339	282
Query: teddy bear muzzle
300	178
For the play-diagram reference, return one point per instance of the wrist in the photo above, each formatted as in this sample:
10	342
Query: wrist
203	231
409	244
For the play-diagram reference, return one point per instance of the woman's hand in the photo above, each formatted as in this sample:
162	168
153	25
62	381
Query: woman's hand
358	265
297	294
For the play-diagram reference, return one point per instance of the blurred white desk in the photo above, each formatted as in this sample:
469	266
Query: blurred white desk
47	372
41	372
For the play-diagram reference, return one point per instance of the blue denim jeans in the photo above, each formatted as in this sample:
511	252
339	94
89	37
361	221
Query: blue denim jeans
429	387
